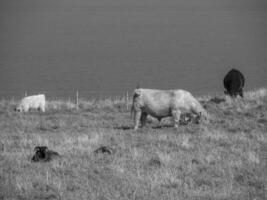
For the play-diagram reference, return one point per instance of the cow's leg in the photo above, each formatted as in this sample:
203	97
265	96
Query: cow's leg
143	118
176	117
42	108
26	108
137	116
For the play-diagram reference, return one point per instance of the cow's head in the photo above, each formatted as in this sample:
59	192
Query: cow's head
41	151
203	115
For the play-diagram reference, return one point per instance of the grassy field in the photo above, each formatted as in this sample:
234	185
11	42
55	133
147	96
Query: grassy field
225	158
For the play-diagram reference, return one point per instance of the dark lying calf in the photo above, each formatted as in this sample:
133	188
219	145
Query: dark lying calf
104	150
43	154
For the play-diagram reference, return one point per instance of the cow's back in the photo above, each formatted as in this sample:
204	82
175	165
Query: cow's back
156	102
186	101
34	98
33	101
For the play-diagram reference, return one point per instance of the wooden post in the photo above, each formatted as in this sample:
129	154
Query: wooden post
77	100
47	178
25	94
127	101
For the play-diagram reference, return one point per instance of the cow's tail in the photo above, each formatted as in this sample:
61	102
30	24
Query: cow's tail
132	108
135	95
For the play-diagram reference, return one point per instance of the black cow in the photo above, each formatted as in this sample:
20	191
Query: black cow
234	82
43	154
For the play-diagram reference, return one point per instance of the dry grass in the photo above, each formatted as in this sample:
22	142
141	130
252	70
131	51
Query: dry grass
223	159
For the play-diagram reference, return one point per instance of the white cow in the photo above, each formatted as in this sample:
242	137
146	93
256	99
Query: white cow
164	103
32	102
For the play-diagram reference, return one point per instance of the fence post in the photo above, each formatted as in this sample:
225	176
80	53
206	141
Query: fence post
25	94
127	101
77	100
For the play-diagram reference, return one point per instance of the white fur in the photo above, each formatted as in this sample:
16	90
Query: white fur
32	102
164	103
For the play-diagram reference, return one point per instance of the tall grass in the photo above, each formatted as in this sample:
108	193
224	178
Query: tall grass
223	159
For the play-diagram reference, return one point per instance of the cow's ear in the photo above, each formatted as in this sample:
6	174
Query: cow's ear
46	149
137	92
36	148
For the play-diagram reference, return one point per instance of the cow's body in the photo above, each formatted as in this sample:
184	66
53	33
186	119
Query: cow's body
32	102
234	82
43	154
164	103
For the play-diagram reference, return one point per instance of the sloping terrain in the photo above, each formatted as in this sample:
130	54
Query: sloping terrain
225	158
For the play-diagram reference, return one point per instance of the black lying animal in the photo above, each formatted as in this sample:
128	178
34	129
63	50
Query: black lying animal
104	150
234	82
43	154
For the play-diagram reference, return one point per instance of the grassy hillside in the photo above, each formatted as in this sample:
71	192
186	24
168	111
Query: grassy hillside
225	158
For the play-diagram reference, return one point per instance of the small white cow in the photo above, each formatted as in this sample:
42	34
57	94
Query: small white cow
32	102
164	103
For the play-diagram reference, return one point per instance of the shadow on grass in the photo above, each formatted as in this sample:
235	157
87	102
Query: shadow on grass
181	123
162	126
217	100
124	128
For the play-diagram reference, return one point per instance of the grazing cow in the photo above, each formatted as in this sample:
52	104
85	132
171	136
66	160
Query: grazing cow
164	103
32	102
234	82
43	154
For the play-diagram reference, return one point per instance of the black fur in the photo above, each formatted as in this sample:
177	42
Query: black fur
43	154
104	150
234	82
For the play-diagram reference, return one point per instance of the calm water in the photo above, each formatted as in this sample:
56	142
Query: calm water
107	47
